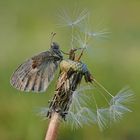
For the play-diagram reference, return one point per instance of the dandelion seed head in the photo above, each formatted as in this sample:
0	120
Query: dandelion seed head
117	112
118	104
68	19
102	118
43	112
125	95
80	98
79	113
98	34
81	42
81	117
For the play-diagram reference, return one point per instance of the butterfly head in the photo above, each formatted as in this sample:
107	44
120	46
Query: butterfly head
55	49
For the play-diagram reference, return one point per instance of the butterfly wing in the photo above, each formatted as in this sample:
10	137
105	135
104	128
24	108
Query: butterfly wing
36	73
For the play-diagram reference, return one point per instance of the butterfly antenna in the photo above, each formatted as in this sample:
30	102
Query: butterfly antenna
52	36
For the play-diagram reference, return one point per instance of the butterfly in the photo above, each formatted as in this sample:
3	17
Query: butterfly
36	73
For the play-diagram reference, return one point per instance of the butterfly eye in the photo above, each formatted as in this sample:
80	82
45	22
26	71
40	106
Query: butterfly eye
54	46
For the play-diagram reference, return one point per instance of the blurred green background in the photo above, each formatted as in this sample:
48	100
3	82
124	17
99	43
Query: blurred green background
25	27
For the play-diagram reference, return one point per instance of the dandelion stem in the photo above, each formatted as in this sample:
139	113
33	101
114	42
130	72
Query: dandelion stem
53	127
98	84
72	32
104	96
95	102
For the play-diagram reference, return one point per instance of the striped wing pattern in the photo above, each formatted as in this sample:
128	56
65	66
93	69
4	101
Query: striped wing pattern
35	74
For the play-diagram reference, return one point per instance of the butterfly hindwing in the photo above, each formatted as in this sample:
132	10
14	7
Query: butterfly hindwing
36	73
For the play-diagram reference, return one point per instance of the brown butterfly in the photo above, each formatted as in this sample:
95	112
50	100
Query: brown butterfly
36	73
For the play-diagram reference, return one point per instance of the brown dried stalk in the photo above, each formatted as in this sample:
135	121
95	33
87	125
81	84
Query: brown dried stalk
70	77
53	127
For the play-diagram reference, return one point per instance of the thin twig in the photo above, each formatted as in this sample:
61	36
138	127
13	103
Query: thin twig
53	127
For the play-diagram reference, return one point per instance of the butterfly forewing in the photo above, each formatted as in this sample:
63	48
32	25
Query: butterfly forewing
36	73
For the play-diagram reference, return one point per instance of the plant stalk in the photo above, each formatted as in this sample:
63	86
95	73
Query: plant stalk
53	127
